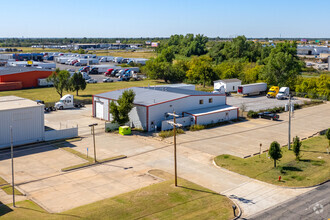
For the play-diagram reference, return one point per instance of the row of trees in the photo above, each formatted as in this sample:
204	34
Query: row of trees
63	81
246	60
186	45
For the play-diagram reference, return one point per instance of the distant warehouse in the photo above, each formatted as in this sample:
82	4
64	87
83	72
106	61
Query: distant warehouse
152	105
12	78
25	117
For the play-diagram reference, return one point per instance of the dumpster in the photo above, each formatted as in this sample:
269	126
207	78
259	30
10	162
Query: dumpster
124	130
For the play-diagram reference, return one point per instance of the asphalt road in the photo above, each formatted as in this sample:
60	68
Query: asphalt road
311	205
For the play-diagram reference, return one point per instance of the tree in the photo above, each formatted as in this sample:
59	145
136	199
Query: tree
81	51
201	70
275	151
296	147
61	80
121	109
77	82
327	134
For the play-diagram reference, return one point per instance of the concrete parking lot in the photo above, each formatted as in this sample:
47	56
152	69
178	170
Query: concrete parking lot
257	103
38	170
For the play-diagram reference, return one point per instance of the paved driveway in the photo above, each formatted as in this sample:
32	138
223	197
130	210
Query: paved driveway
38	174
242	139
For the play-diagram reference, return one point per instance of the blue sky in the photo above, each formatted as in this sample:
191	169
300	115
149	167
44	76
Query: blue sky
152	18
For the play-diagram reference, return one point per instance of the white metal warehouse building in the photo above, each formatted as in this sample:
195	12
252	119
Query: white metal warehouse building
26	118
152	104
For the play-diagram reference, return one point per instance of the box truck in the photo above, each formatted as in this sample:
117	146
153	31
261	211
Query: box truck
252	89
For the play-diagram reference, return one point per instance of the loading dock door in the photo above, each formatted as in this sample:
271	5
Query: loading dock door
99	110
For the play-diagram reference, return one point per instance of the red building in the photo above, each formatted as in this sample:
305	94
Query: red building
21	77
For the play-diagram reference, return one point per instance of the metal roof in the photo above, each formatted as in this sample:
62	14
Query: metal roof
144	96
211	110
14	102
16	69
228	80
179	90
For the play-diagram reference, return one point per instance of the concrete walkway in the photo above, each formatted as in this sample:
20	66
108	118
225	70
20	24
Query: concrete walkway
7	199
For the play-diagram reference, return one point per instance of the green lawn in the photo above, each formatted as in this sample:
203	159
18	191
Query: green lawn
313	167
158	201
50	95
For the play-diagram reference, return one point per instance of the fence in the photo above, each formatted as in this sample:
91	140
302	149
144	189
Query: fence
61	134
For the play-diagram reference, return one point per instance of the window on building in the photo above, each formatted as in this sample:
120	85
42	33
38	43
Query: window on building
234	88
201	101
210	100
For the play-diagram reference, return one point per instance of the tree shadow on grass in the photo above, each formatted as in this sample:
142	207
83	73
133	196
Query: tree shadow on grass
288	168
4	209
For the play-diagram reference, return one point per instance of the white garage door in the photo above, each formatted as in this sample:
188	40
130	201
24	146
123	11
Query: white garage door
99	110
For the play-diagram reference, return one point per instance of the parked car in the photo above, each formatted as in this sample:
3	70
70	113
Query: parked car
107	80
91	81
269	115
77	64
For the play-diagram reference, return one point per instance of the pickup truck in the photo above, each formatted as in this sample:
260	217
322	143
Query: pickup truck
269	115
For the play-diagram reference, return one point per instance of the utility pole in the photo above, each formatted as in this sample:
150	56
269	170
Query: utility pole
12	164
289	132
93	133
174	137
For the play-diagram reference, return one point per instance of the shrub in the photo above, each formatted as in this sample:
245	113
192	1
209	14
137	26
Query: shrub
296	147
196	127
170	133
108	130
252	114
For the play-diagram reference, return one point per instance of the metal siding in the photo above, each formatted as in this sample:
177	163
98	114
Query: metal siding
27	124
157	112
138	117
217	117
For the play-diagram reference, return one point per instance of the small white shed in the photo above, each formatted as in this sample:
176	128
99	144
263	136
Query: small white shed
230	85
26	118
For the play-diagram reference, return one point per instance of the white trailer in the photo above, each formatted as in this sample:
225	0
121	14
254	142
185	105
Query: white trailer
44	82
118	59
252	89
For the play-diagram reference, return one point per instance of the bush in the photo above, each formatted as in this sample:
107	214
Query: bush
252	114
170	133
196	127
108	130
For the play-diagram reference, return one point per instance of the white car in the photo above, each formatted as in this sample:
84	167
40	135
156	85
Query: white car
91	81
107	80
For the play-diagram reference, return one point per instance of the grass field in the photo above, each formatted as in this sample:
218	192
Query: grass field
49	95
158	201
313	167
115	53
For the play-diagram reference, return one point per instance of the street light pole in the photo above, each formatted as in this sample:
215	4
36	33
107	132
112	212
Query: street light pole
12	164
289	132
93	133
175	166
